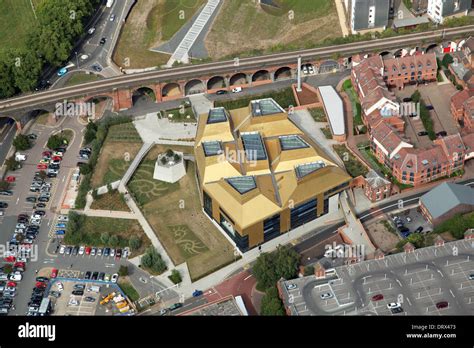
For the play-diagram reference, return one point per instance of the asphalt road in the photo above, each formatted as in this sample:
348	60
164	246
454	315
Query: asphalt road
41	98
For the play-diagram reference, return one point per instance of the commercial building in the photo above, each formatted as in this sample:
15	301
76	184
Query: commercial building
260	175
439	10
445	201
367	15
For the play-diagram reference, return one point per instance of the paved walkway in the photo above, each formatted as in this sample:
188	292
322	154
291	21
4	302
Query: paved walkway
201	104
181	54
152	129
341	13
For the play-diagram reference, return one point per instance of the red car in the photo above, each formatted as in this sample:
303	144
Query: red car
47	154
10	179
11	284
10	259
40	285
442	304
56	158
19	264
377	297
54	273
88	250
42	166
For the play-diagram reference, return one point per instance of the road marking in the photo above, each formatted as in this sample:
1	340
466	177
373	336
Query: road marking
250	276
17	200
452	294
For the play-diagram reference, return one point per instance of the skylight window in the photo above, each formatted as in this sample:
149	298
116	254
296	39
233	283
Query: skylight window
216	115
264	107
304	169
212	148
292	142
242	184
253	146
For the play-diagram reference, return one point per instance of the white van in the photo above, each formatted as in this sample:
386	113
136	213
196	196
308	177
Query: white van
93	288
19	157
237	90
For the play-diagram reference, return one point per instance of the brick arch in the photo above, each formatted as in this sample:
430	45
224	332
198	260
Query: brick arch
261	75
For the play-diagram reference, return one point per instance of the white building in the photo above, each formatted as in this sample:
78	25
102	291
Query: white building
169	167
439	10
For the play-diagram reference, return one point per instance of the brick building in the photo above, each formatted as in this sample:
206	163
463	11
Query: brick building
371	78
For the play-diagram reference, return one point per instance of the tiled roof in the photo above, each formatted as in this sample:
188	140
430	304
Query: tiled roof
459	98
386	136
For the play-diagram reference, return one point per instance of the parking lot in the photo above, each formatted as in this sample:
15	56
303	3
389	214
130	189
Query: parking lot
429	281
86	304
439	96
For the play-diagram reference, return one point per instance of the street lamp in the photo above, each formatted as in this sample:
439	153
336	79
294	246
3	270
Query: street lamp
77	60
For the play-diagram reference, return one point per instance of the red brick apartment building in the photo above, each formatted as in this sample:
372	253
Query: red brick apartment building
462	108
371	78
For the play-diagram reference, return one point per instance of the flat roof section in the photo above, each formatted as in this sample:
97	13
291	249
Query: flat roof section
304	169
253	146
216	115
242	184
263	107
212	148
334	109
292	142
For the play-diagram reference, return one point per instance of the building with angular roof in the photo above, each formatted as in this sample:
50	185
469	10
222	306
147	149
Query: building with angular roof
259	174
445	201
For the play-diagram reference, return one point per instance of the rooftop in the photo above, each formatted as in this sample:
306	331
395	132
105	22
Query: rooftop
217	115
292	142
334	108
445	197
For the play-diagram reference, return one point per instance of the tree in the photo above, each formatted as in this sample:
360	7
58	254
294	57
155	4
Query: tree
94	194
270	267
134	243
21	142
113	240
11	163
152	260
86	169
104	238
416	96
55	141
447	59
89	135
175	277
308	270
4	185
271	303
42	175
123	271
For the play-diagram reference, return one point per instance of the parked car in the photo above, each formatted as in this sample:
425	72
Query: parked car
175	306
78	292
396	310
236	89
442	304
91	30
221	92
102	41
114	278
441	134
419	229
87	275
471	276
88	250
422	133
81	250
118	253
393	305
197	293
54	273
95	275
326	296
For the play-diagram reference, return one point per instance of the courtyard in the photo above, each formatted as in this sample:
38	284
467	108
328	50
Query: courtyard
174	211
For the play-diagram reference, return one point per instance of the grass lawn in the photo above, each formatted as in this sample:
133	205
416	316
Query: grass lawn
91	229
16	19
174	211
67	134
120	147
110	201
129	290
149	24
318	114
179	115
244	26
356	107
81	78
283	97
353	166
327	132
